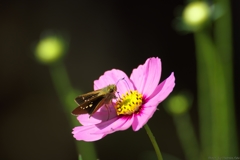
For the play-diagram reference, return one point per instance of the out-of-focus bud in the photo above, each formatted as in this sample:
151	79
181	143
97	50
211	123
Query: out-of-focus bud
178	104
196	15
50	48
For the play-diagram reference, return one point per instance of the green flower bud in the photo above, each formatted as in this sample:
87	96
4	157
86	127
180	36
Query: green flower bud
50	49
178	104
196	15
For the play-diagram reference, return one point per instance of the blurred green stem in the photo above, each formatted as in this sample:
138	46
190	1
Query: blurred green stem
154	143
205	70
64	90
186	135
215	94
223	40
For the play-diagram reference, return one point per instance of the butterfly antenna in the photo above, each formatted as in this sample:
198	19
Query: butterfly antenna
120	80
124	80
126	83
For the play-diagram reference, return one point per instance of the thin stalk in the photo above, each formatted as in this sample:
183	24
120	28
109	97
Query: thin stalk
206	64
187	136
223	40
64	89
154	142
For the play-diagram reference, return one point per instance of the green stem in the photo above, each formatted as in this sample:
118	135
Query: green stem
206	74
154	143
66	93
223	41
186	135
216	109
215	87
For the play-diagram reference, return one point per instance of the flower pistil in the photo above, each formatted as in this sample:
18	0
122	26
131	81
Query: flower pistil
129	103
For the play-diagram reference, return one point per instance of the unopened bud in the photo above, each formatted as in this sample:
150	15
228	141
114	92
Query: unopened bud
50	49
196	15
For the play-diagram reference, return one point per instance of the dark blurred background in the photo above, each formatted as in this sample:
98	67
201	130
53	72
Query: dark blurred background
103	35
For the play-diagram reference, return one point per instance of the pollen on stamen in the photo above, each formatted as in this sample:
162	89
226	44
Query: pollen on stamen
129	103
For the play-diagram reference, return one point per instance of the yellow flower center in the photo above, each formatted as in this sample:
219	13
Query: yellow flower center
129	103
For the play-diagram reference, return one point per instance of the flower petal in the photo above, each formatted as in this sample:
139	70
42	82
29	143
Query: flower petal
114	76
103	114
149	108
146	77
142	117
121	123
162	91
85	133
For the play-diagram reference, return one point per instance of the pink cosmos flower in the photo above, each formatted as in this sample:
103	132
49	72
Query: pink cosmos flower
140	96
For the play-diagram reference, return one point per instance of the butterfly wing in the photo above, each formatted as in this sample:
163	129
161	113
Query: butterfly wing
107	99
90	106
92	101
86	97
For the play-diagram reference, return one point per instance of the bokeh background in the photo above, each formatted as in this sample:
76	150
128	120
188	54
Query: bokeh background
102	35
